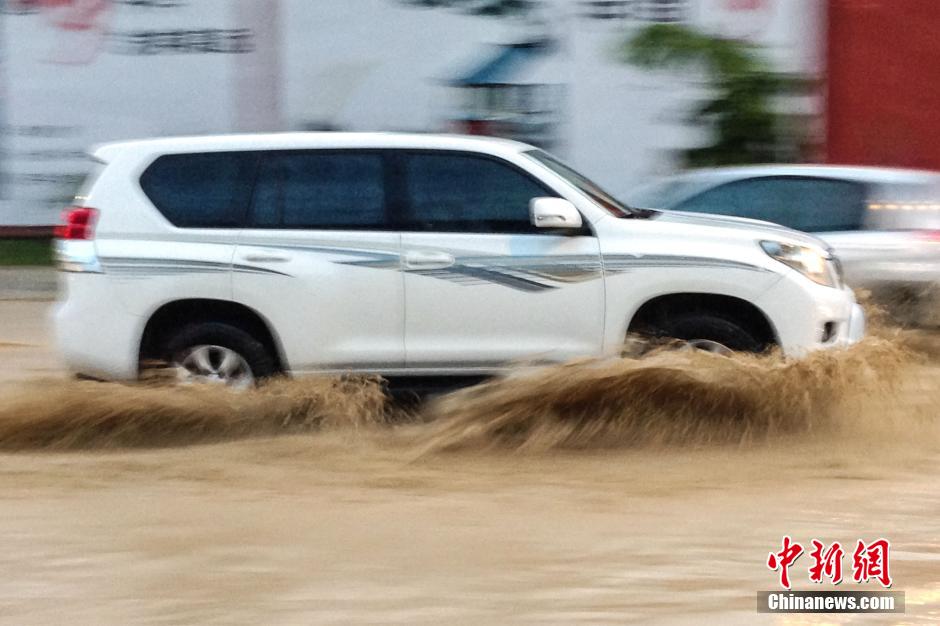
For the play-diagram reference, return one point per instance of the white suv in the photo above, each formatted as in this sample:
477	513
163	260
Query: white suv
238	257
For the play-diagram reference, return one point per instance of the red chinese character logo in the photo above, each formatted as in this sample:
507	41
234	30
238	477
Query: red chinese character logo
784	559
871	562
826	563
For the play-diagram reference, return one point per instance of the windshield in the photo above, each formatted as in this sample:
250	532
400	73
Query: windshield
589	188
663	194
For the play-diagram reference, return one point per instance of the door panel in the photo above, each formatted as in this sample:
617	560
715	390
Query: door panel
483	286
320	261
335	298
482	300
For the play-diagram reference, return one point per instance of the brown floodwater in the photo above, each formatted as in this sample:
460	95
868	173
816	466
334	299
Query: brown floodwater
614	491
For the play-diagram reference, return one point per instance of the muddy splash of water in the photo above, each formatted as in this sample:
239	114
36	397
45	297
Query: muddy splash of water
664	399
670	398
85	414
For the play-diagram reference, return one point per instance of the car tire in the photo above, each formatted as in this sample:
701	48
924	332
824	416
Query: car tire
709	327
258	358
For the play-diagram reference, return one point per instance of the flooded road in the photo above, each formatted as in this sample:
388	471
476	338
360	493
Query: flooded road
615	492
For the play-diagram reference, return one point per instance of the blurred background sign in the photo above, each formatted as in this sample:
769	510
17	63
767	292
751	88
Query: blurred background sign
548	72
516	91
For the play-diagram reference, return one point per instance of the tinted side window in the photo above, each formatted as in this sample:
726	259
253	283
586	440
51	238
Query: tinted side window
803	203
464	193
829	205
208	190
321	190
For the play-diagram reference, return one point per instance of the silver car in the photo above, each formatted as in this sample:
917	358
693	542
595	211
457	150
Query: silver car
884	224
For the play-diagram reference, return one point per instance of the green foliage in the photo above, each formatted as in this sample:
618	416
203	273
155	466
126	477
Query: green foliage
25	252
746	127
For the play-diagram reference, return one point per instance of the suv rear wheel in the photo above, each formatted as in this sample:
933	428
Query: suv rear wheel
213	352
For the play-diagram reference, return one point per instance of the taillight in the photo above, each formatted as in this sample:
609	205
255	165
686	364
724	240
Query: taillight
79	223
929	235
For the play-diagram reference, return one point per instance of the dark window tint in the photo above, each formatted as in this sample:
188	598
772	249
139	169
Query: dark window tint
808	204
208	190
325	190
465	193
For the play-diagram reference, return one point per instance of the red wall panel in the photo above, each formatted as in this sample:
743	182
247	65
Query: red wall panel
883	100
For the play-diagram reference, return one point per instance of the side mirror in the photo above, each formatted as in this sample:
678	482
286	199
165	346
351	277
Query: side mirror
553	213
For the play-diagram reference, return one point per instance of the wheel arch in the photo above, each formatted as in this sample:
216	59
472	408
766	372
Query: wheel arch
734	308
171	315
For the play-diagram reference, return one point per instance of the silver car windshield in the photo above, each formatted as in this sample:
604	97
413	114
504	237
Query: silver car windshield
662	194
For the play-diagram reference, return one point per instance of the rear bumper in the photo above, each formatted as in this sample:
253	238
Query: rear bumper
94	333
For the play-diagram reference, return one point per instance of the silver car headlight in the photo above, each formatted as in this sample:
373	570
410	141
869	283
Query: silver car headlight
814	263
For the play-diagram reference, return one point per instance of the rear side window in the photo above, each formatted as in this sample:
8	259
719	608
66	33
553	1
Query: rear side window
450	192
804	203
321	190
206	190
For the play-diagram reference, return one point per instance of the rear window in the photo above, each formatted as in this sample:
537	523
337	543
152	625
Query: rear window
209	190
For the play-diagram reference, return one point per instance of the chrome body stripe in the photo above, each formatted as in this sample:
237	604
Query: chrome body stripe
142	268
523	273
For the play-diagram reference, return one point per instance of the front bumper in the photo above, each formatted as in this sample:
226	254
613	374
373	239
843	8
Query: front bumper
856	325
808	317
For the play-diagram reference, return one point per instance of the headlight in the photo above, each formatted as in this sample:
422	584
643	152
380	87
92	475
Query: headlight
815	264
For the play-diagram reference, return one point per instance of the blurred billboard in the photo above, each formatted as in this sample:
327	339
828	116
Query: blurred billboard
74	73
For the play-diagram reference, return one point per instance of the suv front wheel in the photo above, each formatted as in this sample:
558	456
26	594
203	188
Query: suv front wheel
214	352
710	332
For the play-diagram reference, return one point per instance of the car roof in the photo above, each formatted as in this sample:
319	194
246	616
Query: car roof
858	173
308	140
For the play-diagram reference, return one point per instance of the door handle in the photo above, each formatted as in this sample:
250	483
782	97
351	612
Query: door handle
266	258
419	259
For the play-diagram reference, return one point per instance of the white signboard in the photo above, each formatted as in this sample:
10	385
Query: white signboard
80	72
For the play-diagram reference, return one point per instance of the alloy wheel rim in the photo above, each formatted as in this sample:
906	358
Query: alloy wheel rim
707	345
214	364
